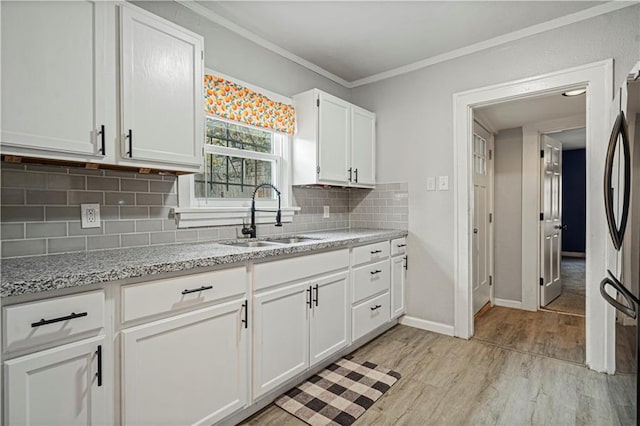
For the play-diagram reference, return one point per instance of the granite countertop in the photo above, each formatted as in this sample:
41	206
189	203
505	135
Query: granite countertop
24	275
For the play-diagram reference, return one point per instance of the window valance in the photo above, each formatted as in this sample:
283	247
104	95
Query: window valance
234	102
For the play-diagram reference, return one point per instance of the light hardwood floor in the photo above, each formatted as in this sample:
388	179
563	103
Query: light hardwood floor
572	300
543	333
450	381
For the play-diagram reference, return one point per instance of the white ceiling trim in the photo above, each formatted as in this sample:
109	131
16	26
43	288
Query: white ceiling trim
496	41
467	50
243	32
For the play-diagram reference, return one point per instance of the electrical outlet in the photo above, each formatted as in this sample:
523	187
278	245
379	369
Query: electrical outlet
326	212
90	215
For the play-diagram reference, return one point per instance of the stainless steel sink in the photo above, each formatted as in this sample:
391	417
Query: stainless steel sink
292	240
253	244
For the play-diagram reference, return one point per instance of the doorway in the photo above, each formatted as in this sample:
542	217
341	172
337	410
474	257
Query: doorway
597	78
571	298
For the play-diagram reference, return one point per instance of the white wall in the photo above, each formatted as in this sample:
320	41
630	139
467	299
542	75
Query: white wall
230	54
414	113
508	215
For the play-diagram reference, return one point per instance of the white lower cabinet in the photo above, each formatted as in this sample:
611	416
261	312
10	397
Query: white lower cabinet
296	327
281	336
59	386
187	369
329	326
398	277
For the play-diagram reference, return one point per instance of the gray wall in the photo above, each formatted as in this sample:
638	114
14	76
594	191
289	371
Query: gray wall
414	114
230	54
508	214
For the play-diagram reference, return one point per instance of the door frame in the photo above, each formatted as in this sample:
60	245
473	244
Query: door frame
598	78
531	191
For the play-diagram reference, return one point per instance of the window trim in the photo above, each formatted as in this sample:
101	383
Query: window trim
237	211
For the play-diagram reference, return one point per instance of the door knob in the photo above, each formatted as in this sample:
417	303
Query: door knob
563	227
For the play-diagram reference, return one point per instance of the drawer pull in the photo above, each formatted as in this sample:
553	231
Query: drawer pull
195	290
377	271
401	245
373	308
376	251
60	319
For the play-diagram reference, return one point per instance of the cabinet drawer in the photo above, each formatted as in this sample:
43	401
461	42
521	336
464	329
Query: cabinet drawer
370	279
173	294
398	246
370	315
296	268
370	253
59	319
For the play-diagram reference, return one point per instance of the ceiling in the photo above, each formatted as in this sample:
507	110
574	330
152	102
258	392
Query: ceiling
508	115
352	41
572	139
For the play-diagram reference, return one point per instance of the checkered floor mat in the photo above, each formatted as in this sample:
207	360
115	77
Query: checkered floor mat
339	394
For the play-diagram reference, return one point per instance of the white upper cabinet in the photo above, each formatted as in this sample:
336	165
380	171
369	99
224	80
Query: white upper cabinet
334	143
53	83
333	139
161	90
363	137
60	82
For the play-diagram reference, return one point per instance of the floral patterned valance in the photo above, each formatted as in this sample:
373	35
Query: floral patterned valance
234	102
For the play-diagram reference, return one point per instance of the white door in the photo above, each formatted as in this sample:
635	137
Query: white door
482	203
53	64
329	326
281	335
551	223
187	369
333	139
398	277
363	143
162	90
58	386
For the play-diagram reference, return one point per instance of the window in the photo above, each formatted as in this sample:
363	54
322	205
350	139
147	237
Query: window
237	159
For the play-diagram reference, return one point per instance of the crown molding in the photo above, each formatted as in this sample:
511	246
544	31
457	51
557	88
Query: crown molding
582	15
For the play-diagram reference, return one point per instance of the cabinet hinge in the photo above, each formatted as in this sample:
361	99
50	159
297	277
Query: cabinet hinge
542	153
490	280
406	262
318	102
541	216
318	169
541	281
490	217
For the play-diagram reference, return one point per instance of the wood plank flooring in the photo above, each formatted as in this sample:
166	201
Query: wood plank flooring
626	348
572	300
450	381
543	333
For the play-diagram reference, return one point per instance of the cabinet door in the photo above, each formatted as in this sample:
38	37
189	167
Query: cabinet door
281	336
162	90
398	275
53	64
187	369
329	326
363	146
333	139
58	386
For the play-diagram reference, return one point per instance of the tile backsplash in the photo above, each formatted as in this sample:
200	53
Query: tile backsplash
40	213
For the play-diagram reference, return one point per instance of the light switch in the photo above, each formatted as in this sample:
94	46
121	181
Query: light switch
443	183
431	183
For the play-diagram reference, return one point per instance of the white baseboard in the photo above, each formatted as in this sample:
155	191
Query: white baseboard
436	327
507	303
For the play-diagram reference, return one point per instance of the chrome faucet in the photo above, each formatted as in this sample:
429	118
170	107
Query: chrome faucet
251	230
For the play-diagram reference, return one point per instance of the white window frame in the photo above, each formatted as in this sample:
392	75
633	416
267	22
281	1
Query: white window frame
198	212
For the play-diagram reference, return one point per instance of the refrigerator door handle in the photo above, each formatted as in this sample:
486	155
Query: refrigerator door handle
632	302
